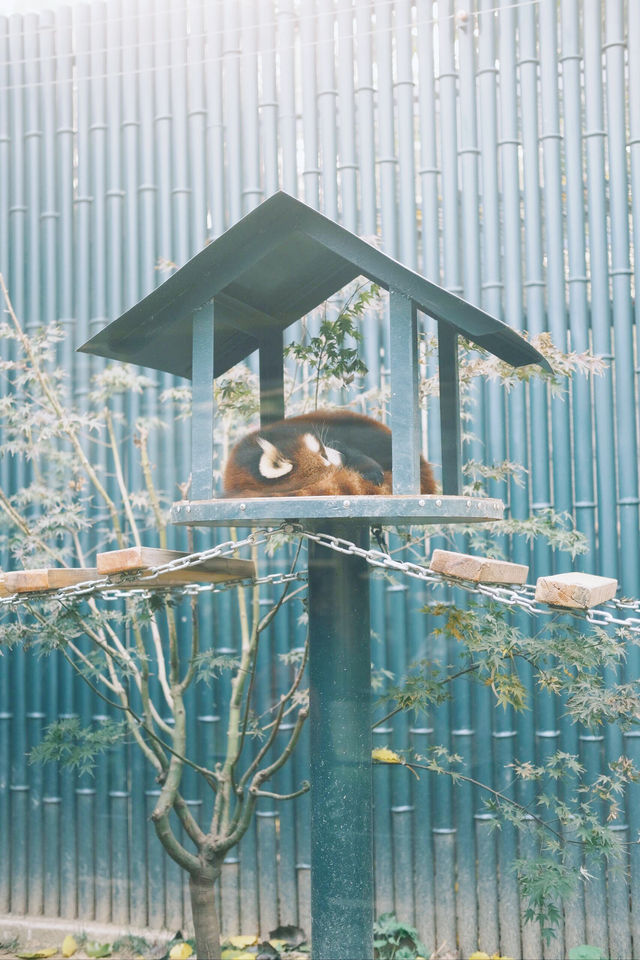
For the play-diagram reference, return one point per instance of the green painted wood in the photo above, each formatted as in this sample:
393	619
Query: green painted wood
449	411
277	264
271	379
202	407
403	406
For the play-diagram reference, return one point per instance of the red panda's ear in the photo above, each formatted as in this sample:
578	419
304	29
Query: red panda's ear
272	464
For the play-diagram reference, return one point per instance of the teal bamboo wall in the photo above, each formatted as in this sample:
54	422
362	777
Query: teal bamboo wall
492	145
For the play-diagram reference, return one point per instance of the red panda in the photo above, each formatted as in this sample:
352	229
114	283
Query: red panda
326	453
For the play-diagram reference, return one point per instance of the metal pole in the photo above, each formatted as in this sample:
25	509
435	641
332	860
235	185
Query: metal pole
340	721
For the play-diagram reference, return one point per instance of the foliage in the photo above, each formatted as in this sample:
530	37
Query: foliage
394	940
131	945
331	361
76	746
569	659
476	362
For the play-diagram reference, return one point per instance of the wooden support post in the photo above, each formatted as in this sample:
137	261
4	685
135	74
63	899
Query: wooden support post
449	410
202	417
271	379
405	413
340	722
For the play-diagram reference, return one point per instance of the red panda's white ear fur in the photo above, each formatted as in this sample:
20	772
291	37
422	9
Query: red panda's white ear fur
272	464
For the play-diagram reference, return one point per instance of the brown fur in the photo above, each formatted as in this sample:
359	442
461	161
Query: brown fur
310	474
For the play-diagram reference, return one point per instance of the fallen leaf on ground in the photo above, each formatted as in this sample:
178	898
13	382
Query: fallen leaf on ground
34	954
180	951
243	940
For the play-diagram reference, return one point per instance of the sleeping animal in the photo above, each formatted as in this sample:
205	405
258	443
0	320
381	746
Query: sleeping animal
325	453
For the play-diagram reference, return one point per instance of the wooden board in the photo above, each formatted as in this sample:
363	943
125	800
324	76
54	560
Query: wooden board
49	578
179	578
581	590
465	566
3	586
142	558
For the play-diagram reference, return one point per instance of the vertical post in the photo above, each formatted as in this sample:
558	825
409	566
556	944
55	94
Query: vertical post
271	379
340	721
405	415
202	415
449	409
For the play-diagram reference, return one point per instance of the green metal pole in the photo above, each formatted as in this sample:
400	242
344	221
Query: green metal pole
340	722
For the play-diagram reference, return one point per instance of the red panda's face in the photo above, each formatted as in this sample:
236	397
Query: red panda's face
300	458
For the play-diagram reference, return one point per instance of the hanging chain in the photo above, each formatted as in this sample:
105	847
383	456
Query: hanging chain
522	597
108	589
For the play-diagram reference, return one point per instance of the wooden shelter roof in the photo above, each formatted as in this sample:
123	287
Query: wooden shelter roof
264	273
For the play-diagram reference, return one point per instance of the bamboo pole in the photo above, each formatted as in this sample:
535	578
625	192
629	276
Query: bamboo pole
632	743
347	165
365	99
287	96
626	398
18	787
404	86
32	318
386	157
268	96
309	85
551	137
326	96
5	669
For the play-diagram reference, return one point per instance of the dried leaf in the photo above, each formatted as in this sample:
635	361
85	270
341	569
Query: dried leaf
69	946
34	954
243	940
384	755
180	951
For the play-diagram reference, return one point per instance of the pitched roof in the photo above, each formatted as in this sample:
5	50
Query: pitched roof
265	272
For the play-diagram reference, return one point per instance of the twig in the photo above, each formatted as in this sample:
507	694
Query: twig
454	676
306	786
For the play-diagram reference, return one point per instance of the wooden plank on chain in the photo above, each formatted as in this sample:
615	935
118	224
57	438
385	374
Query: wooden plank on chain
132	559
465	566
177	578
3	586
47	578
581	590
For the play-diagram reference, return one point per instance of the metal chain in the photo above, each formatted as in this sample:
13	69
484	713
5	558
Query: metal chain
523	597
107	587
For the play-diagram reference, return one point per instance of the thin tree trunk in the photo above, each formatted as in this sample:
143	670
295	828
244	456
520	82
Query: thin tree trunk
205	915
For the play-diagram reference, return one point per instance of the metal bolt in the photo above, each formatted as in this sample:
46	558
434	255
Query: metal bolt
421	502
346	503
468	503
438	503
243	506
188	509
